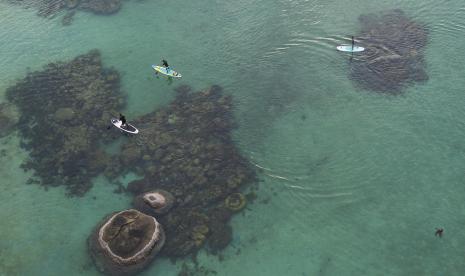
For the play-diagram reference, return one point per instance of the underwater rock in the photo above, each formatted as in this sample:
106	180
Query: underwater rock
125	242
393	55
156	202
235	202
64	111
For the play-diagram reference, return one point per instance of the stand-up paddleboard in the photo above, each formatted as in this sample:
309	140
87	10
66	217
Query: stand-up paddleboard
162	70
127	128
348	48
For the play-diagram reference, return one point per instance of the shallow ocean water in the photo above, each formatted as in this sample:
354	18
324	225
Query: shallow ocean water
353	182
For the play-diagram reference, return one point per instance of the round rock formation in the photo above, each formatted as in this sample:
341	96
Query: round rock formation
235	202
156	202
125	242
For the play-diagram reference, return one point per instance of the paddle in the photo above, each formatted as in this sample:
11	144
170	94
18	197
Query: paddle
353	42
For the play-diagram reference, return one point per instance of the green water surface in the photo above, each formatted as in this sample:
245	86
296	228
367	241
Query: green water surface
354	182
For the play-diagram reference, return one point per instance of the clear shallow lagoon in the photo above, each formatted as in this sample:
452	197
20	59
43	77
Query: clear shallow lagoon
355	181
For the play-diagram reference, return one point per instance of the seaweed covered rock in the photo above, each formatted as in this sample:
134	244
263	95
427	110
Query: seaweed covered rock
64	110
125	242
393	55
156	202
189	152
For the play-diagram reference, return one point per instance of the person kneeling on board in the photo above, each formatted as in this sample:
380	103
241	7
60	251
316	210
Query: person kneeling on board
123	120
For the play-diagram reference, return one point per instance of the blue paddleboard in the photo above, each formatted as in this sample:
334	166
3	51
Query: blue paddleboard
169	73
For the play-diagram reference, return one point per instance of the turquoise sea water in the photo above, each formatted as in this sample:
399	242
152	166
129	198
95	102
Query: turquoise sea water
355	182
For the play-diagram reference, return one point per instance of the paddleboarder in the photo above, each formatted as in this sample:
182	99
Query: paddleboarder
165	64
123	120
353	43
439	232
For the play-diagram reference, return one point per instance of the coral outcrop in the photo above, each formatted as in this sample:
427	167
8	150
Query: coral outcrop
125	242
64	111
393	56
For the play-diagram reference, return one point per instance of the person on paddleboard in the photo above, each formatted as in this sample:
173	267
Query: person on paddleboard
165	64
123	120
353	43
439	232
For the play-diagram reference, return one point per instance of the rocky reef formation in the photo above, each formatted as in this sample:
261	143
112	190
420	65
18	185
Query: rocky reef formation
125	242
64	110
187	150
49	8
393	55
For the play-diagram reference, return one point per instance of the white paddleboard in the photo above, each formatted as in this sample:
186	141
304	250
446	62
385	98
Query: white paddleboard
348	48
169	73
128	128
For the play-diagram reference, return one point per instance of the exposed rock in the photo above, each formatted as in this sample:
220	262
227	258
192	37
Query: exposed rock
156	202
125	242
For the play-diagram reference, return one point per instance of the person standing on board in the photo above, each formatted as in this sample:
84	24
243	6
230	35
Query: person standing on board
353	43
165	64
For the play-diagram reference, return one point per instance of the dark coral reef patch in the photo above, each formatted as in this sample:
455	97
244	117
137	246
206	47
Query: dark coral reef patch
187	150
393	56
64	109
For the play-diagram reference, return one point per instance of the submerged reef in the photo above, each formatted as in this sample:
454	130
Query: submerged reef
193	176
63	113
125	242
187	150
49	8
393	55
